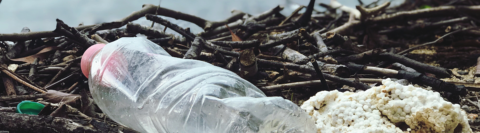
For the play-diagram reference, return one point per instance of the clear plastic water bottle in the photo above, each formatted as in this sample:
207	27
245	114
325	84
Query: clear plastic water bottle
138	84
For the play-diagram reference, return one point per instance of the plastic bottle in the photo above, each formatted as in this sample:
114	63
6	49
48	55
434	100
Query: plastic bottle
138	84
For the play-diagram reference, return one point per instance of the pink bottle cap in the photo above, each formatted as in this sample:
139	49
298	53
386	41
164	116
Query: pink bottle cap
87	58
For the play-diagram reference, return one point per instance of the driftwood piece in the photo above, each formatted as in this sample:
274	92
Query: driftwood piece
312	83
309	69
205	24
178	29
306	17
22	123
273	43
421	13
211	46
195	49
136	28
439	71
22	80
294	56
9	85
416	27
99	39
237	44
477	68
73	34
260	19
248	63
67	67
319	75
322	47
147	9
295	12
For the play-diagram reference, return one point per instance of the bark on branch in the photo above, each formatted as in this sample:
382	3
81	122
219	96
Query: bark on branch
421	13
147	9
183	32
23	123
205	24
237	44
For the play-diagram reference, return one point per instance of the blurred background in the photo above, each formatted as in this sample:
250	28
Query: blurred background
40	15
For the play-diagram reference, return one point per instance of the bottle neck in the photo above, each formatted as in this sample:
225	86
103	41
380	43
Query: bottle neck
88	57
90	60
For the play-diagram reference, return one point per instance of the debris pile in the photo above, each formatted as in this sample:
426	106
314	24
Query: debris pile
332	55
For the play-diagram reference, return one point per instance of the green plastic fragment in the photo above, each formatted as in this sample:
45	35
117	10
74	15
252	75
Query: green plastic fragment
29	107
425	7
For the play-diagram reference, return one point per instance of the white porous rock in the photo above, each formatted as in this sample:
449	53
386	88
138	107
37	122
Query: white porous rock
381	108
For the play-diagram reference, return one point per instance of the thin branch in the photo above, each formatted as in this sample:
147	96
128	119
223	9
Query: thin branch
67	67
403	67
354	12
74	34
414	28
367	12
25	123
195	49
16	78
320	74
421	13
433	42
294	56
312	83
258	18
21	97
172	26
273	43
306	17
136	28
9	85
266	14
295	12
321	46
357	68
329	25
205	24
99	39
439	71
175	53
116	24
211	46
237	44
61	80
329	52
248	63
365	55
345	28
309	69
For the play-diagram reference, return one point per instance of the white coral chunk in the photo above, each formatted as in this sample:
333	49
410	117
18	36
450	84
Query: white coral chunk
380	108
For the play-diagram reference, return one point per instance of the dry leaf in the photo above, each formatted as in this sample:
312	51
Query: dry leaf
81	102
54	96
234	37
31	58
